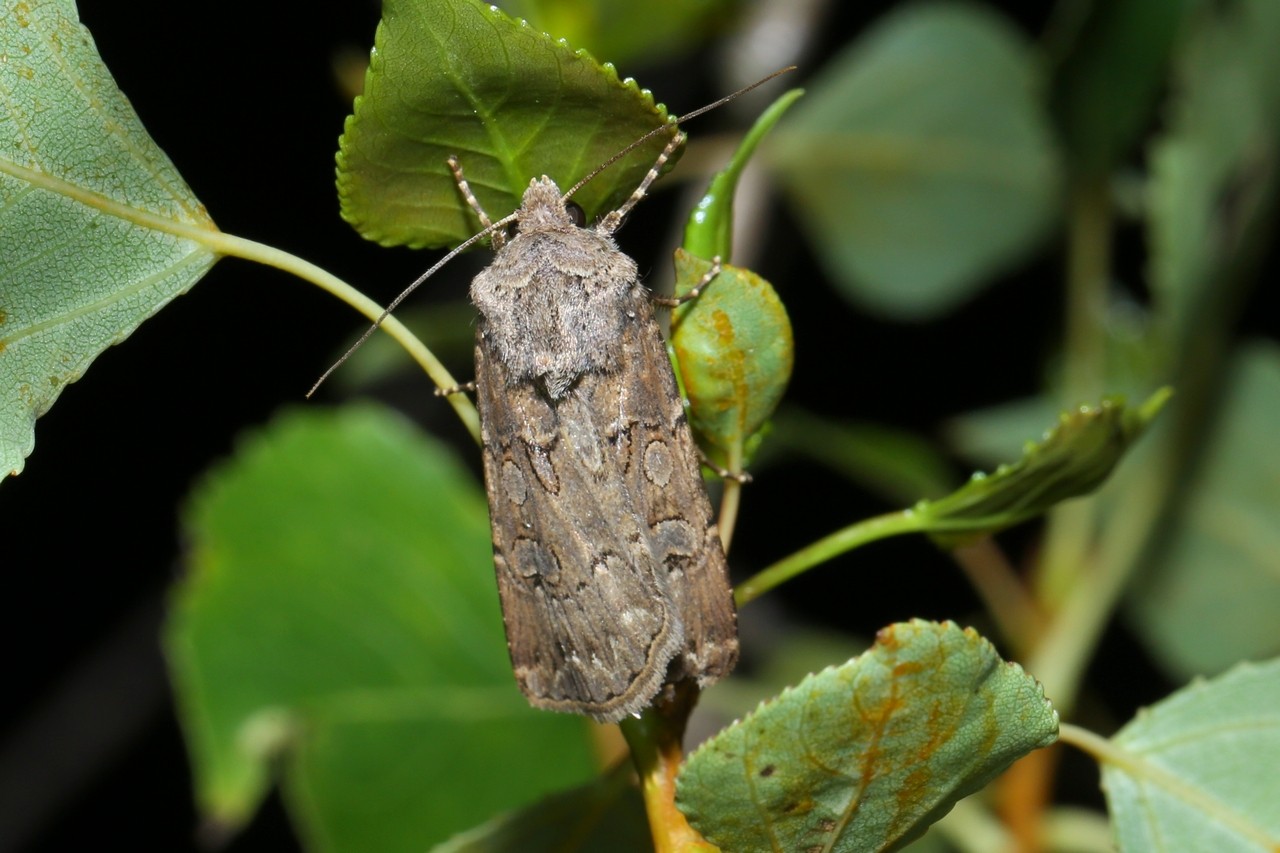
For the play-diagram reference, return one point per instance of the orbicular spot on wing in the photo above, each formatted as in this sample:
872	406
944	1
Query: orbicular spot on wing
658	463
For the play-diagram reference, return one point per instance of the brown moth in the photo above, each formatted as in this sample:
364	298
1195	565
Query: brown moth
609	563
610	569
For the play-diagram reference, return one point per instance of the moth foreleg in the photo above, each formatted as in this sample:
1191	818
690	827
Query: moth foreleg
469	197
463	388
695	291
614	218
723	473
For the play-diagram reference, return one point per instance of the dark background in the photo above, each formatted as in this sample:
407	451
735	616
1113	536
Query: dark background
248	108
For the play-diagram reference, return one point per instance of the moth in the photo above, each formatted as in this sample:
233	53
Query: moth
609	565
612	577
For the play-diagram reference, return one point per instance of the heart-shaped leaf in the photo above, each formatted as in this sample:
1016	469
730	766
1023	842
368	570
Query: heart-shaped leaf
922	159
460	78
339	624
98	231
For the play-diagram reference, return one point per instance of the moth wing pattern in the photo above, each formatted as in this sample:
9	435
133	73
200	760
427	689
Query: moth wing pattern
559	567
608	590
662	469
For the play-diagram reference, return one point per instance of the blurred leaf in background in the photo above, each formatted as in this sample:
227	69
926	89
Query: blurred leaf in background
922	161
1212	596
339	628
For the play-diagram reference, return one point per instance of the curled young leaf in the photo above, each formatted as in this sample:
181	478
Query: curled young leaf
733	344
709	231
1075	457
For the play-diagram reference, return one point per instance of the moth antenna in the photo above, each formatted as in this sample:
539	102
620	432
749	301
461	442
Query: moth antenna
502	223
386	312
672	123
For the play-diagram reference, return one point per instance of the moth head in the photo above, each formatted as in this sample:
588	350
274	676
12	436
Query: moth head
543	208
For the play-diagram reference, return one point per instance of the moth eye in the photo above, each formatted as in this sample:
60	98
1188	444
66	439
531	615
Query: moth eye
576	216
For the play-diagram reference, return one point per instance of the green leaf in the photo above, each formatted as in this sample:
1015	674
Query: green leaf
735	352
865	756
1223	553
786	654
1198	770
96	225
1106	88
709	231
339	622
605	816
458	77
624	29
1072	460
733	345
1215	170
921	160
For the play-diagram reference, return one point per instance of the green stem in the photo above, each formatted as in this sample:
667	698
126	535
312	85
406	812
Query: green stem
1070	528
730	499
853	536
1002	592
655	740
227	244
1077	626
1088	292
199	229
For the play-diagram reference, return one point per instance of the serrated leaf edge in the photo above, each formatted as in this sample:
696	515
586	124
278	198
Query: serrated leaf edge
944	625
344	176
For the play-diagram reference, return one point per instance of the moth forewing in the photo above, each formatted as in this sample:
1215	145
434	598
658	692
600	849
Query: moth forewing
610	569
609	565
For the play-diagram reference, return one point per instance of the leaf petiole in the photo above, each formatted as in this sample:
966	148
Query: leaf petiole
227	244
846	539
